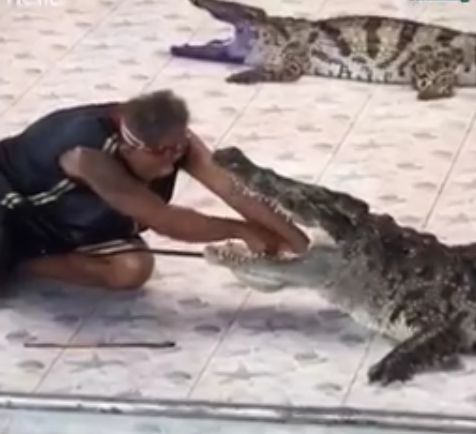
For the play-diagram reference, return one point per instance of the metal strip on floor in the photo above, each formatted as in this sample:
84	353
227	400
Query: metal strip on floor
323	416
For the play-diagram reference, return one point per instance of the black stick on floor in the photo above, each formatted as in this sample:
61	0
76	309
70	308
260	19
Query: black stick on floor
165	252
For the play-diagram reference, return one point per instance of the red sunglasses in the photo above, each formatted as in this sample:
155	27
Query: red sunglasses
133	141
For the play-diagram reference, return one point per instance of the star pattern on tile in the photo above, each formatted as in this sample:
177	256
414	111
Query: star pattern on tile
241	373
95	363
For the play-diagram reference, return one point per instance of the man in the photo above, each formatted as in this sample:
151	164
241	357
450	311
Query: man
93	177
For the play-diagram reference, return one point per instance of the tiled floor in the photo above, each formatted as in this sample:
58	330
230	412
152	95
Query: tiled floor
410	158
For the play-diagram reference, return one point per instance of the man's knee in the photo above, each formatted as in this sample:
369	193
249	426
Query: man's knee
129	270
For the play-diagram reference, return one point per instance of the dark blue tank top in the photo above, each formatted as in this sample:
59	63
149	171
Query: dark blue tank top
29	161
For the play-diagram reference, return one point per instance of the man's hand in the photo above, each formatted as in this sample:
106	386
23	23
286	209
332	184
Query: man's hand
261	240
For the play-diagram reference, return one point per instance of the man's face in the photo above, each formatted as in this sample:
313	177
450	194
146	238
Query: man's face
156	160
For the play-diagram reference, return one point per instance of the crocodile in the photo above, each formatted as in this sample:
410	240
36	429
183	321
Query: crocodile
404	284
432	59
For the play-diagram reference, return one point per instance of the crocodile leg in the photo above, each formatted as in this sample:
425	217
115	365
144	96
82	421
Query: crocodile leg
426	350
433	72
284	74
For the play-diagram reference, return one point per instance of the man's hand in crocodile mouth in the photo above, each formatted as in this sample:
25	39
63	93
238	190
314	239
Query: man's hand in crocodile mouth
268	239
272	235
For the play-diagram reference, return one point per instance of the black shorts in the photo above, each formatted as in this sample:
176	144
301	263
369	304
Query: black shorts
32	238
116	246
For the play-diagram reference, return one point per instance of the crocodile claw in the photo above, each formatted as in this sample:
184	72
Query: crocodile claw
387	371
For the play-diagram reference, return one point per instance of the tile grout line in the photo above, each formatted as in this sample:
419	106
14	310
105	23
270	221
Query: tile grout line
446	178
55	62
218	345
170	59
355	375
346	134
63	350
235	120
246	298
322	6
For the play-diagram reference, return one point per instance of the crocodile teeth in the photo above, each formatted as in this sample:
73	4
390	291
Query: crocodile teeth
272	203
234	254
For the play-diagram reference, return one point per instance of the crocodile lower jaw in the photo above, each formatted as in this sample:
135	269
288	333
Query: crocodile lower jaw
232	254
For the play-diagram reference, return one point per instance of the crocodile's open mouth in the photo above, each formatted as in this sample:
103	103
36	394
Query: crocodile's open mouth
249	180
261	272
236	254
270	201
231	50
229	253
227	51
284	196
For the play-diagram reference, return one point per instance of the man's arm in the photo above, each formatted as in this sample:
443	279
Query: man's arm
201	166
114	185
